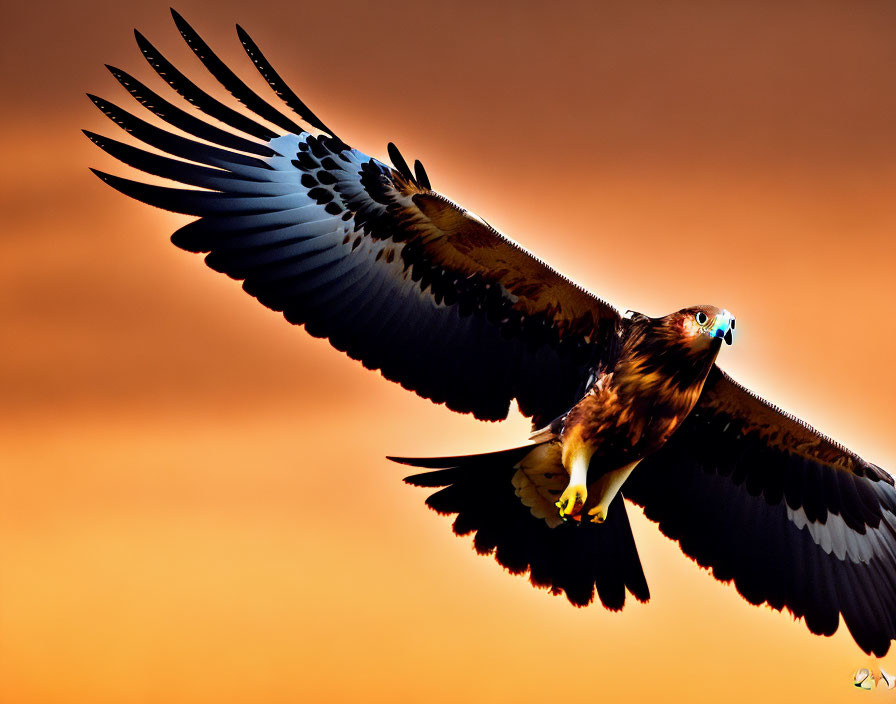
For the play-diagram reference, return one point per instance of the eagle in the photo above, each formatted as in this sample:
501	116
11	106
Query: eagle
623	406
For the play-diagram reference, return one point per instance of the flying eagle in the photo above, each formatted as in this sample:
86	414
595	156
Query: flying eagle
369	256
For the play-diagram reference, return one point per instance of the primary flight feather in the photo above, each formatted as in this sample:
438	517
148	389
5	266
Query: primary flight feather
399	277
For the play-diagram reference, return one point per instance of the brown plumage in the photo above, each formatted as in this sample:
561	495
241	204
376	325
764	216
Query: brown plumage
635	406
413	285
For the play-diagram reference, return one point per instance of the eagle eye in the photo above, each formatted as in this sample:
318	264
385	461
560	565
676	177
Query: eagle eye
701	318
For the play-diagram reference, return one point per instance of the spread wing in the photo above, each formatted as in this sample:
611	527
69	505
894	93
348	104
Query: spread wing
791	516
360	252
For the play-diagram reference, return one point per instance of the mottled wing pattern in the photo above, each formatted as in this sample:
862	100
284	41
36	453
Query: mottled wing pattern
792	517
359	252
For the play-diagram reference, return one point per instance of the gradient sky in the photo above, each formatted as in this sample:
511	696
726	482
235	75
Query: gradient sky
195	505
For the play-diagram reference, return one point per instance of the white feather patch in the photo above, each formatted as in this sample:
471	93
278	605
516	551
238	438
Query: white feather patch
834	536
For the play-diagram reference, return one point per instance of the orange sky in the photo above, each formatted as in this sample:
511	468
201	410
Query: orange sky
182	517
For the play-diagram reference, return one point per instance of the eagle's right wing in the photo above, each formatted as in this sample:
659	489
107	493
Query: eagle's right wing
792	517
364	254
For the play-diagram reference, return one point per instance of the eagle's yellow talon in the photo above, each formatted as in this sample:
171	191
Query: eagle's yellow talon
572	500
598	514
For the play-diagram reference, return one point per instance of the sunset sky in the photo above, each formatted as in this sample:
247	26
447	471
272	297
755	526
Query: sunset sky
194	501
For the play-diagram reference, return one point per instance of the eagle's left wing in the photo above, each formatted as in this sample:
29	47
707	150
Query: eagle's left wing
794	518
360	252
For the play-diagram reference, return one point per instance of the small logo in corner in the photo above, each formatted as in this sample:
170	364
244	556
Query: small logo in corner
886	680
863	679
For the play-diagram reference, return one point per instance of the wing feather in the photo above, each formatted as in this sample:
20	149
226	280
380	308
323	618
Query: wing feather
175	170
198	97
227	78
183	120
174	144
277	84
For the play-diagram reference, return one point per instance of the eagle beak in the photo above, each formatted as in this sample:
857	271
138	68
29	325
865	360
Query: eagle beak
724	327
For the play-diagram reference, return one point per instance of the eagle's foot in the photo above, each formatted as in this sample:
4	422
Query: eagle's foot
598	514
572	500
604	490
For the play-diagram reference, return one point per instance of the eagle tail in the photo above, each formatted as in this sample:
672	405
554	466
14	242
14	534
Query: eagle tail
572	558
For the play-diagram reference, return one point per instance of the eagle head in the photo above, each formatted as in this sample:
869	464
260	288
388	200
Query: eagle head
701	325
680	347
697	328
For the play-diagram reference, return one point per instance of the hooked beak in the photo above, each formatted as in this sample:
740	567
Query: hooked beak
723	327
